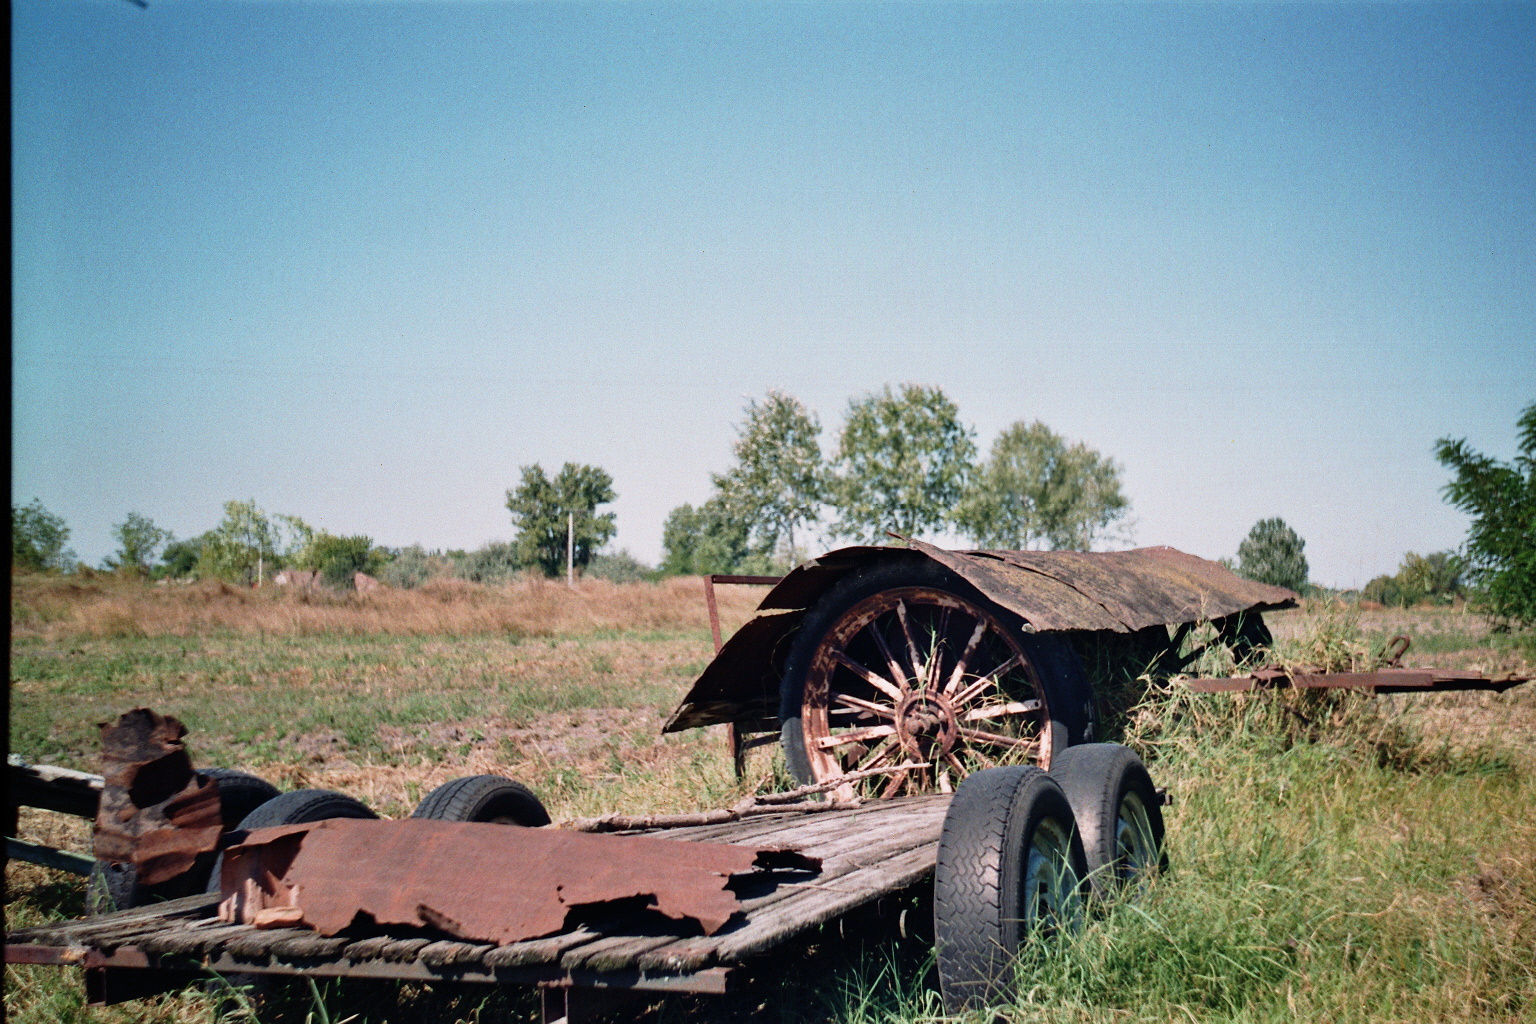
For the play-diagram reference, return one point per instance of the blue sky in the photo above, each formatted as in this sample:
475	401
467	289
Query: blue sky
362	261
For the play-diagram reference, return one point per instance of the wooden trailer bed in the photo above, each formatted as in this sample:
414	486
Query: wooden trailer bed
867	852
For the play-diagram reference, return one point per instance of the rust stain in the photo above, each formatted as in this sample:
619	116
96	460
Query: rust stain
478	882
1052	591
155	812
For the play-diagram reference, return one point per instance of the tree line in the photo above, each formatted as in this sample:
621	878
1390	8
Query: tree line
904	463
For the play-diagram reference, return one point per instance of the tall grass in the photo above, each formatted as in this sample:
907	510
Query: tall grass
55	608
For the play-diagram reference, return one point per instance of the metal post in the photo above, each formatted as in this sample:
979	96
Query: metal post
570	549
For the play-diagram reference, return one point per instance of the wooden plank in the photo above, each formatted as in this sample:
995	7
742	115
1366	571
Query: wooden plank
612	953
190	941
538	951
201	905
857	874
449	954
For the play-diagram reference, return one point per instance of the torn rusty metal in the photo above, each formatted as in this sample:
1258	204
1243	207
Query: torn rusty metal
1387	680
155	813
478	882
1051	591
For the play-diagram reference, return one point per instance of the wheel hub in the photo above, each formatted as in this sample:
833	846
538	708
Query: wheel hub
926	726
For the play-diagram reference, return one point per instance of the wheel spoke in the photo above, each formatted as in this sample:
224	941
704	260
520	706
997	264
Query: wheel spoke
883	685
919	668
894	785
944	784
955	763
865	705
965	658
981	736
931	677
885	748
999	710
842	739
890	659
975	690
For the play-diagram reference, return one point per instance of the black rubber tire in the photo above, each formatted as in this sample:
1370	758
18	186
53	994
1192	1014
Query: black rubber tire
981	896
295	808
240	793
1068	696
1109	789
490	798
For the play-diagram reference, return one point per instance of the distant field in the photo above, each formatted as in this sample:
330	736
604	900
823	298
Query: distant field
1378	870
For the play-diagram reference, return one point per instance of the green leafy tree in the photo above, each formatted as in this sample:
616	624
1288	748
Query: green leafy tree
248	545
1500	497
1035	490
1272	553
540	508
707	539
337	559
38	538
180	557
1435	577
776	485
139	542
902	463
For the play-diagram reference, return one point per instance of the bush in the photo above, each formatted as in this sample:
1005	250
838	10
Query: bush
1272	553
497	562
621	567
410	567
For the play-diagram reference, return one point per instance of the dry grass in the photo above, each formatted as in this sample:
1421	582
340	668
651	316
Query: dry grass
55	608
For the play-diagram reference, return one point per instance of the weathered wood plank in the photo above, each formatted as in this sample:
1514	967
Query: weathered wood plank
64	933
538	951
191	941
308	946
448	954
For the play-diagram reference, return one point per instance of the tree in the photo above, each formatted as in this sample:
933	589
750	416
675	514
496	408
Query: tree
138	544
902	463
777	482
540	508
1434	577
338	559
180	557
38	538
247	546
1036	490
1500	497
1272	553
707	539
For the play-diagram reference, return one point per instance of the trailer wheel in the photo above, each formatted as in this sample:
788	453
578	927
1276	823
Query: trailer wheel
906	663
295	808
484	798
1009	864
1119	814
240	793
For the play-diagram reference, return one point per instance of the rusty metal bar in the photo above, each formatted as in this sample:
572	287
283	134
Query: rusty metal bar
1387	680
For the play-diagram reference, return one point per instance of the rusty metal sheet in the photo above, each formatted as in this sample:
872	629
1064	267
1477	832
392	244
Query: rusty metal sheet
155	812
1052	591
478	882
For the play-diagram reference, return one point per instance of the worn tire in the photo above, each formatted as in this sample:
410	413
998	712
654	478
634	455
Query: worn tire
1119	814
489	798
1068	696
1009	862
240	793
295	808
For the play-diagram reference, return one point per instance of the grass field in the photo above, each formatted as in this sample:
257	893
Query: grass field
1376	865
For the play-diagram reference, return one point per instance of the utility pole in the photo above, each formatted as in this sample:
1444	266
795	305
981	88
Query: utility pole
570	549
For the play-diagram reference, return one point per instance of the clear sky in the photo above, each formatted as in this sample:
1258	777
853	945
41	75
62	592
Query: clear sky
361	261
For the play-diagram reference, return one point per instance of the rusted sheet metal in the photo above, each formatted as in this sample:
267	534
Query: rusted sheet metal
479	882
1052	591
155	812
1387	680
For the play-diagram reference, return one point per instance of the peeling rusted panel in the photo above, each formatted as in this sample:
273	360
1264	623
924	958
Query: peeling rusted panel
478	882
1052	591
156	813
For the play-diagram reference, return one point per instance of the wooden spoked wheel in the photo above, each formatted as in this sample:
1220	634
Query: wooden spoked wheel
920	676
